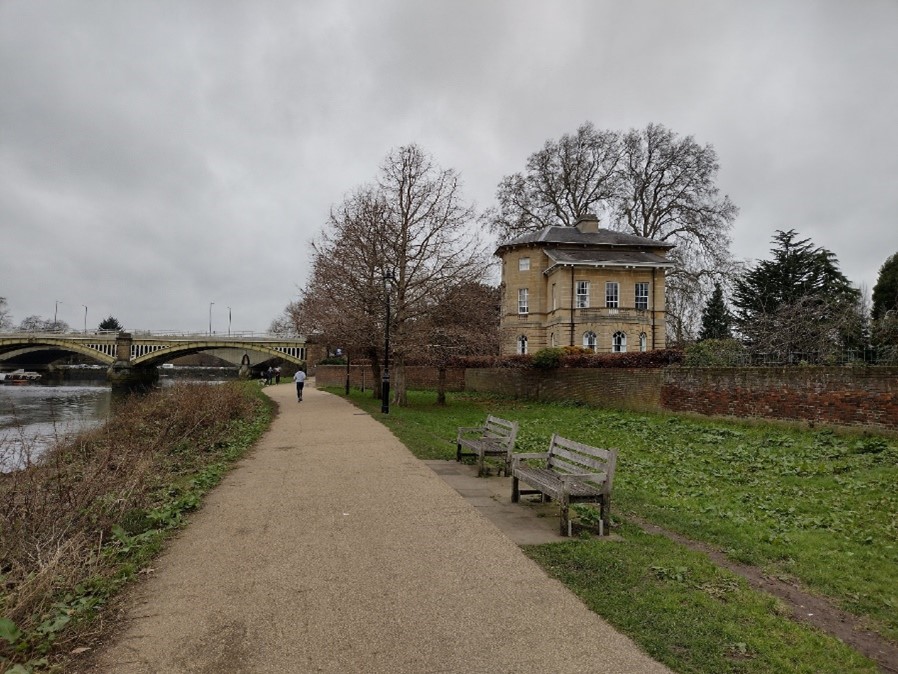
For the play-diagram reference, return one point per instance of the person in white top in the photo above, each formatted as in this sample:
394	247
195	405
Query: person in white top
300	379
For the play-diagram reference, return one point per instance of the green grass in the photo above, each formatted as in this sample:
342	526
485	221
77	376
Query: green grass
688	613
815	505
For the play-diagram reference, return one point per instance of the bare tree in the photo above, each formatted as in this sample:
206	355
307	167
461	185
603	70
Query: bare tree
37	323
408	236
463	322
570	177
5	317
428	246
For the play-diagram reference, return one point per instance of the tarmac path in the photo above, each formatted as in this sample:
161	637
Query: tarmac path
330	548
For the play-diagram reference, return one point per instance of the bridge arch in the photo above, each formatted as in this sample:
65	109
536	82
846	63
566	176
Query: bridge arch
291	354
12	346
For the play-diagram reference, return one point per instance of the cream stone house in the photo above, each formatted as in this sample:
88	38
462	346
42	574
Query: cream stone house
583	286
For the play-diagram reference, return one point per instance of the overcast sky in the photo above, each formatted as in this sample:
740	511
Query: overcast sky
159	156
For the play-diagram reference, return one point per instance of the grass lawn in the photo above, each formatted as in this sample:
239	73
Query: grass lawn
813	505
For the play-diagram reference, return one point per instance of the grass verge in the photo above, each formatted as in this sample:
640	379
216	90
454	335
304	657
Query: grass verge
81	524
811	505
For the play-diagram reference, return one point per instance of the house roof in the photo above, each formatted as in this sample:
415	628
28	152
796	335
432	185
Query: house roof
573	236
604	258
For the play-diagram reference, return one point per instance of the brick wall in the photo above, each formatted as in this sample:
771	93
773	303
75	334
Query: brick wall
830	395
618	388
834	395
418	377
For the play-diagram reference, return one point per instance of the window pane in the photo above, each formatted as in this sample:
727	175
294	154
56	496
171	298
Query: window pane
524	264
619	342
589	341
523	306
582	294
642	296
611	294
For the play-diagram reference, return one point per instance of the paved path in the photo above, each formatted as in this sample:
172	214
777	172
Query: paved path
332	549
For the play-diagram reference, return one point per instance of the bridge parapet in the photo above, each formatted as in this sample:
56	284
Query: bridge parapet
124	351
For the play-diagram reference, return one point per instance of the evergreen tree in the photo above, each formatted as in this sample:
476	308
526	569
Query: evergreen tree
798	304
885	292
110	323
716	319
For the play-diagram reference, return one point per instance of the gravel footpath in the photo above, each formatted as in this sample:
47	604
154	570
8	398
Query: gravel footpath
330	548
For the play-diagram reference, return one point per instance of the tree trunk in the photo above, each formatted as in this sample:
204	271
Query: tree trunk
441	385
376	374
397	383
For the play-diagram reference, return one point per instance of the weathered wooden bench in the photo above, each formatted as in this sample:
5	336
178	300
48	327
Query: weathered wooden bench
495	438
570	472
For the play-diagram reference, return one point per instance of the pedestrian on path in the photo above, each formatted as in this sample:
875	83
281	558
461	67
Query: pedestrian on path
300	379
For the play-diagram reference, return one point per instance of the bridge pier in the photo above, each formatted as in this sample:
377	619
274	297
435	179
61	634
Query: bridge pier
122	372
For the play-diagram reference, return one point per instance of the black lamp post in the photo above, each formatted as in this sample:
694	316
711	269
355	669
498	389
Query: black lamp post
385	382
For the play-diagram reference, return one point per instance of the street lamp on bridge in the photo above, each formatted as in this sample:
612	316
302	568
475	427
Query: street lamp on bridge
210	318
55	314
229	321
85	318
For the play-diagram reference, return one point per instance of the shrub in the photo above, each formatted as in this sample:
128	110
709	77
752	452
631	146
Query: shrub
716	353
637	359
547	359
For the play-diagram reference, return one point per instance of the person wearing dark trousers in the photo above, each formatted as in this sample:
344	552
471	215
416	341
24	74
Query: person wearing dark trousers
300	379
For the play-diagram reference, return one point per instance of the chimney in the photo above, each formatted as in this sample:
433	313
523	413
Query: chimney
588	223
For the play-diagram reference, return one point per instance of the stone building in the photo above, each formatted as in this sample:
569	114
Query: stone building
583	286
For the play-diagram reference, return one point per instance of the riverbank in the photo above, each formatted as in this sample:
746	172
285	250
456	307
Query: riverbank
75	528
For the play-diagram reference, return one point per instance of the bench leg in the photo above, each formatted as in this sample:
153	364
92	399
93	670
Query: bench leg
565	519
458	451
515	490
605	514
480	464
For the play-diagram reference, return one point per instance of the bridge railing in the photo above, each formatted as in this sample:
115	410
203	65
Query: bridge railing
234	336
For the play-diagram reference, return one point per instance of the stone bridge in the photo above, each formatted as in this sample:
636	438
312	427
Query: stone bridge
134	355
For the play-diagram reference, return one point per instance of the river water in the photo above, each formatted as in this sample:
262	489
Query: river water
33	417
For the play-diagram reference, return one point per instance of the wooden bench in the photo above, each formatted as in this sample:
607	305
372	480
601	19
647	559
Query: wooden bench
495	438
571	473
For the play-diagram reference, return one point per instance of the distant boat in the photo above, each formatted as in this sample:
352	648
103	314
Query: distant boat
19	377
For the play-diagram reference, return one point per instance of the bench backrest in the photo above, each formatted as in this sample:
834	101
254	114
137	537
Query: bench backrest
501	429
567	456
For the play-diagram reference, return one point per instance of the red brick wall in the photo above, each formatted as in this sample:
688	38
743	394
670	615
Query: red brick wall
617	388
834	395
417	377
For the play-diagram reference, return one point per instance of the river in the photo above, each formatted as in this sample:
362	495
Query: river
34	417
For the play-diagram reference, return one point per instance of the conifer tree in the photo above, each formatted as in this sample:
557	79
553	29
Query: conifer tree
716	319
798	304
885	292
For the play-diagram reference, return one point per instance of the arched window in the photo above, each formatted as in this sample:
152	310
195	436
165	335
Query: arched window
643	341
589	340
522	345
553	341
619	342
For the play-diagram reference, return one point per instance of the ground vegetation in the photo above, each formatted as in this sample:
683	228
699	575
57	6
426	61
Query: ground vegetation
79	524
811	509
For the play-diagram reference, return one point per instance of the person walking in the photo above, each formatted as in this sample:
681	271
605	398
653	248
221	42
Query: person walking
300	379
